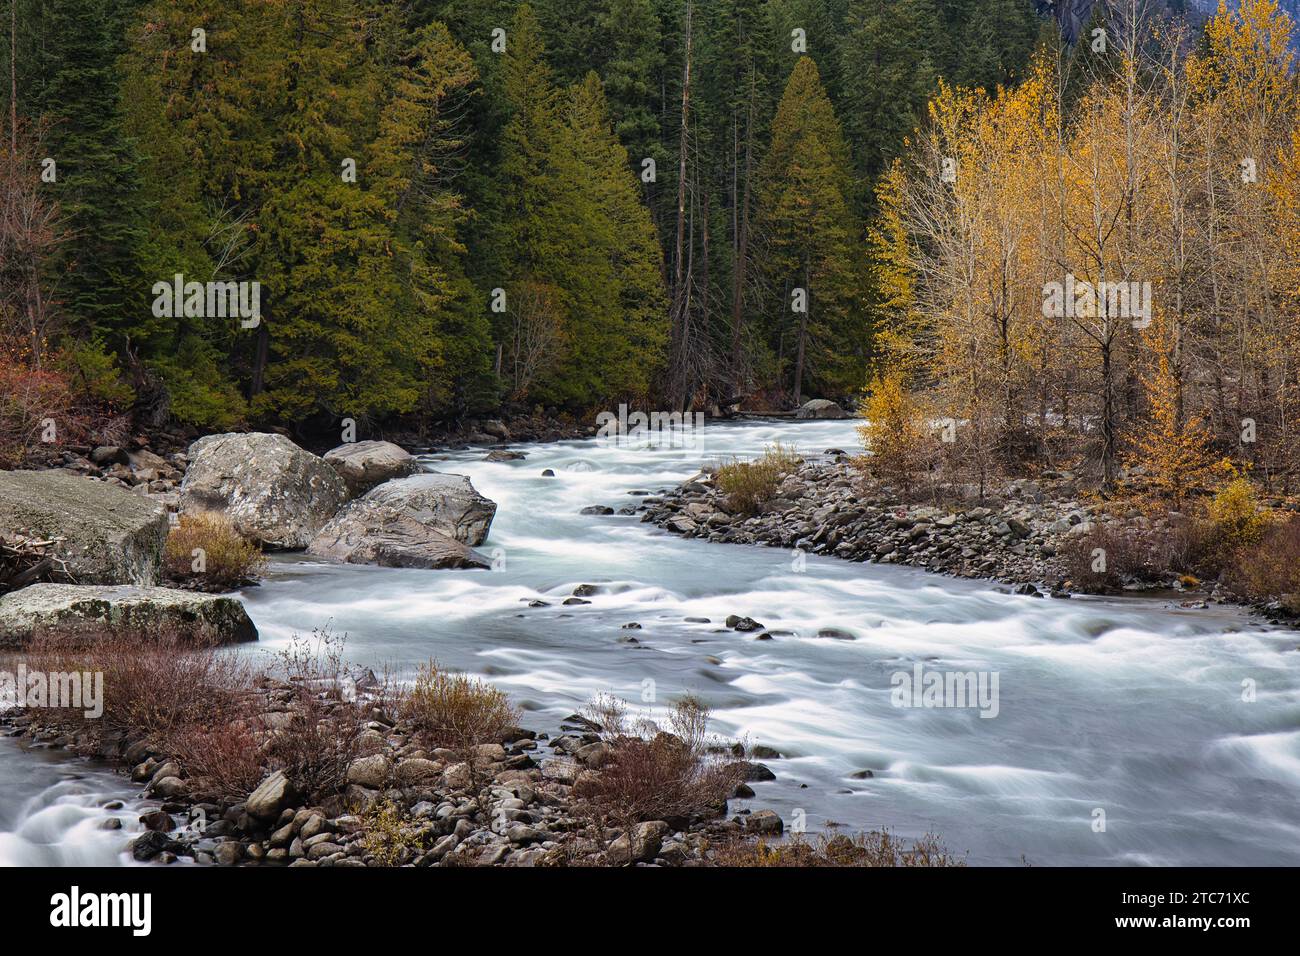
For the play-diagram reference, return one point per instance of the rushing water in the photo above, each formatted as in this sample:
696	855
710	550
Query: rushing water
1128	706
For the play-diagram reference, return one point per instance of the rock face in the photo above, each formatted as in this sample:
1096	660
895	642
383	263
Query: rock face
425	521
90	610
364	464
109	535
820	408
271	490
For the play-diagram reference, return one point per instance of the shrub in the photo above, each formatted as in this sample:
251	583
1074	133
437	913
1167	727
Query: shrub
205	552
199	388
894	434
388	835
227	755
877	848
1099	559
454	710
323	733
30	399
156	686
1271	567
1236	515
652	775
93	371
749	485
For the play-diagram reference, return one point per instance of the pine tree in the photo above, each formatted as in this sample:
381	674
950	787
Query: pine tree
899	335
625	345
72	85
888	75
805	202
631	78
421	146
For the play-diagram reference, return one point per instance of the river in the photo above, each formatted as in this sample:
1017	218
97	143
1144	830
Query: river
1123	734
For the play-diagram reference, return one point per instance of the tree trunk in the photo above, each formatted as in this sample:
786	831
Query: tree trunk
677	321
1107	418
803	331
742	257
260	360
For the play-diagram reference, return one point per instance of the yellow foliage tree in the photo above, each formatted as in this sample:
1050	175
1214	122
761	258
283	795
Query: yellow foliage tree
1171	446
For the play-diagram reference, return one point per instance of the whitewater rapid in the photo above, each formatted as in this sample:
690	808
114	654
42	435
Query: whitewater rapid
1125	711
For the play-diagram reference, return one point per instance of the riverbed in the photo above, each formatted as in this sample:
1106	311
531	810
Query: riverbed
1127	730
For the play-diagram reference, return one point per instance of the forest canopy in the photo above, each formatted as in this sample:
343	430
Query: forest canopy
451	207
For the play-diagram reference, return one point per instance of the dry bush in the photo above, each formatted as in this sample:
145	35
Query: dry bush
226	560
1098	560
455	711
1271	567
323	734
61	393
876	848
749	485
227	756
155	685
655	775
29	397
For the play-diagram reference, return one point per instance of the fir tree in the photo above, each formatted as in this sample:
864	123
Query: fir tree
806	201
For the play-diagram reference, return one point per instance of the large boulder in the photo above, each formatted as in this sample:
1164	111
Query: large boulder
103	534
89	610
364	464
820	408
424	521
271	490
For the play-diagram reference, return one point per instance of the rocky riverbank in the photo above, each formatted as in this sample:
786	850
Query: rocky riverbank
513	803
81	540
1027	534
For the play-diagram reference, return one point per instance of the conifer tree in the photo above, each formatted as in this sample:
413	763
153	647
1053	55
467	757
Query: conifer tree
806	202
889	73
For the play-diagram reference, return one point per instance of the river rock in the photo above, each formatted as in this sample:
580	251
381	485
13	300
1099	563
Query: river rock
106	455
272	795
364	464
820	408
152	843
764	822
92	610
270	489
104	534
646	839
371	772
228	853
424	521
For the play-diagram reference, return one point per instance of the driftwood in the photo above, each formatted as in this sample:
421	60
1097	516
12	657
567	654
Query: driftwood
25	561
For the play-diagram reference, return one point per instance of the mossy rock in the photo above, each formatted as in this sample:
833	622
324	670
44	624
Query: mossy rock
87	610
